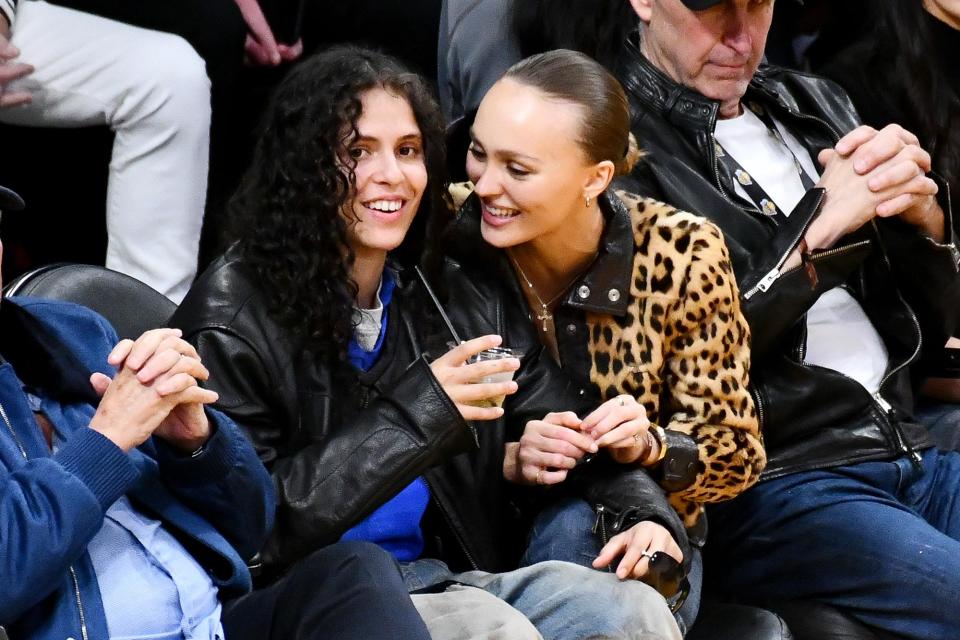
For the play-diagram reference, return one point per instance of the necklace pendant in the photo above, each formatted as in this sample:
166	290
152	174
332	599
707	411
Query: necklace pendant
543	317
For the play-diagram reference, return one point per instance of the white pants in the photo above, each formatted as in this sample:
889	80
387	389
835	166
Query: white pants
151	89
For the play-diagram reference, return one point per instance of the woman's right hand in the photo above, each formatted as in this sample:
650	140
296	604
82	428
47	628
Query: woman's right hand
549	448
460	380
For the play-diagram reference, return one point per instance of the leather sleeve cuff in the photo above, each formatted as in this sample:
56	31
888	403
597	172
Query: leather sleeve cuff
681	464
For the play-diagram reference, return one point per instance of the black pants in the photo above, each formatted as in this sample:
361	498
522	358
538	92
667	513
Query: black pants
347	591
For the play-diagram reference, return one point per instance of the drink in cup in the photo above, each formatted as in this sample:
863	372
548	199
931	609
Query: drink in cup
497	353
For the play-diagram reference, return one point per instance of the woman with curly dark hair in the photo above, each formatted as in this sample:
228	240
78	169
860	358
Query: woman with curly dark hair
318	330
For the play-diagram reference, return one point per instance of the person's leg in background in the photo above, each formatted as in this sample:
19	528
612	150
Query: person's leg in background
876	539
564	531
151	88
349	591
216	30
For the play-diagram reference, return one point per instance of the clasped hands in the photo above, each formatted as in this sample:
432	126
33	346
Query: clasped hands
155	392
872	173
551	447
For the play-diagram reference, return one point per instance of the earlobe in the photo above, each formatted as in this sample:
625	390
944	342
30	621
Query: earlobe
599	179
643	9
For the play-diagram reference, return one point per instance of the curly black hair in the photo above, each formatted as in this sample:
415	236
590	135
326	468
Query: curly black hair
286	213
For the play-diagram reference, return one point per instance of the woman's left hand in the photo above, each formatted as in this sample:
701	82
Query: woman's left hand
636	545
620	425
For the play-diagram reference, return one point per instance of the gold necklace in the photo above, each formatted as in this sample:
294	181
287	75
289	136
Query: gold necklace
544	316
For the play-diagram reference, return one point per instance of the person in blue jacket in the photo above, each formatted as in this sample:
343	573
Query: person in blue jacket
127	509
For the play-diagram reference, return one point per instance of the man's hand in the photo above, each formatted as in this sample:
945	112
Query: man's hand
155	393
620	425
875	173
10	70
548	449
636	544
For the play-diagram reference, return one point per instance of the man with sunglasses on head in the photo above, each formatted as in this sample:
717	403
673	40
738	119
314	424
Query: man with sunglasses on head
844	253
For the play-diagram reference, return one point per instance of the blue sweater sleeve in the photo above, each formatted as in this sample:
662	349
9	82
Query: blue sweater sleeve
50	509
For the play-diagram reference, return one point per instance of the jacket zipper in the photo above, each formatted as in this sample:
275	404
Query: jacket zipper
73	573
599	525
878	399
757	400
456	533
906	448
767	281
76	593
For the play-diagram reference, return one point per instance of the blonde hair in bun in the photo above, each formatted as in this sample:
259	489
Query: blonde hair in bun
630	159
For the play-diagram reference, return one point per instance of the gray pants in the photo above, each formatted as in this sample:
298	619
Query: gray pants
555	600
469	613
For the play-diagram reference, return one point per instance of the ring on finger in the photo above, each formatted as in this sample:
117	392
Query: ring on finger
621	401
638	437
646	554
539	476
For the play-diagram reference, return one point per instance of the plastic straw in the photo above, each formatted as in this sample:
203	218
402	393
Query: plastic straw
436	302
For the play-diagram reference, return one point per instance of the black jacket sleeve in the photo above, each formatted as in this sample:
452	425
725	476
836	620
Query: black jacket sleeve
329	484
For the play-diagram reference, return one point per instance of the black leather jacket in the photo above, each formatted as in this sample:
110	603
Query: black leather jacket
812	417
337	450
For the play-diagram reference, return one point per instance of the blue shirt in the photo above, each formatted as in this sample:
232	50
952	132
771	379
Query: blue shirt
395	526
137	561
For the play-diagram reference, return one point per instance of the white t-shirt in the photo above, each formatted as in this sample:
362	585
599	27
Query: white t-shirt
839	334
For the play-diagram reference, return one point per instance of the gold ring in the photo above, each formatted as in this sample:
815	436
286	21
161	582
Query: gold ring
540	476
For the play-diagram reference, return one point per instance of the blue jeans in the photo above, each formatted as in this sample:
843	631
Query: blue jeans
564	601
943	421
877	539
564	531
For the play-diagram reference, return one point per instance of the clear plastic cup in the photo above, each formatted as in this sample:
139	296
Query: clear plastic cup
496	353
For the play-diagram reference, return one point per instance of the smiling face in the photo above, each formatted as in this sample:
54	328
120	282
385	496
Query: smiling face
715	51
530	173
390	174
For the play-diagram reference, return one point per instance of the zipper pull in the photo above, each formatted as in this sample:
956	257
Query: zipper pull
916	458
596	523
883	403
765	283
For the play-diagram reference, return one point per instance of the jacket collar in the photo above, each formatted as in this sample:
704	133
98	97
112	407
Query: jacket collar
603	288
683	107
40	357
